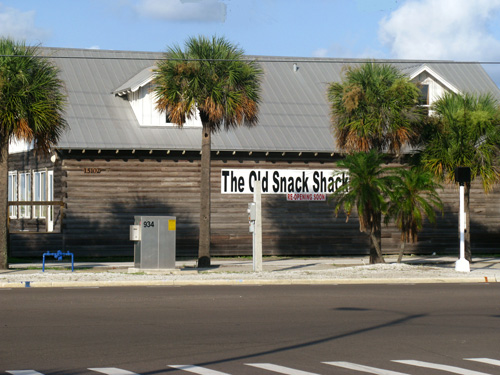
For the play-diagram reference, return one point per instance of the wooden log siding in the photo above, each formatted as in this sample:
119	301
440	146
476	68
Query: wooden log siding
104	193
32	242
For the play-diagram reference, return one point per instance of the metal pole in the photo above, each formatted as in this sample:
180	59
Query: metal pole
257	235
462	265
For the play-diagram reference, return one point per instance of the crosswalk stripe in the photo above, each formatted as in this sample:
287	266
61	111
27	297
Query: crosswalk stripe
291	371
280	369
489	361
112	371
437	366
367	369
198	370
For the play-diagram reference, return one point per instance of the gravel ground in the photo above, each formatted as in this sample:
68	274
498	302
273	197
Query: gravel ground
389	272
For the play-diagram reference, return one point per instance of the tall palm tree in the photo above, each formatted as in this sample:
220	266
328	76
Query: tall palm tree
467	135
32	101
374	107
413	197
210	76
367	189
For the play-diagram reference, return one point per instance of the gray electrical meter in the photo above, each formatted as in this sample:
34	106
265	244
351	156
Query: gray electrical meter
154	241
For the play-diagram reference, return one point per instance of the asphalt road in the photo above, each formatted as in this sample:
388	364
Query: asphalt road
147	330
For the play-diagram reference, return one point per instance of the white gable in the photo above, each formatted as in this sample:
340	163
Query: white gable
139	92
16	146
437	86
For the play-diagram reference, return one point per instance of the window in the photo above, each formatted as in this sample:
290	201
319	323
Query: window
424	95
12	193
24	194
37	186
40	193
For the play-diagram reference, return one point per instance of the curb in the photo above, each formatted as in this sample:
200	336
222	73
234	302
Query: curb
220	282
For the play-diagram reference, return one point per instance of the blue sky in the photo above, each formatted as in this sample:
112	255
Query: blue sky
462	30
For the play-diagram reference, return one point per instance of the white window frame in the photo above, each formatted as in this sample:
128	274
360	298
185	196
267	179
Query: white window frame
12	193
24	194
37	186
40	193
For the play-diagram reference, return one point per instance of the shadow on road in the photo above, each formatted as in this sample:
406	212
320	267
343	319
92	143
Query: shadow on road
303	345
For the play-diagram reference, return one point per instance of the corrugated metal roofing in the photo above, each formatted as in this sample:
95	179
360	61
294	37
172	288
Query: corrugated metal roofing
135	82
293	116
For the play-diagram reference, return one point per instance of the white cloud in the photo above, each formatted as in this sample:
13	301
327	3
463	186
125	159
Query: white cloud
320	52
184	10
20	25
442	29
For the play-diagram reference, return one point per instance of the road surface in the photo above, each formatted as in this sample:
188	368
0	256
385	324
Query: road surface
296	330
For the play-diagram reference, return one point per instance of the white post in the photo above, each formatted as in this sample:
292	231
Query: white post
257	235
462	265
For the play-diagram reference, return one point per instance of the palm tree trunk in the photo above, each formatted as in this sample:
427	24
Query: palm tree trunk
204	244
401	251
468	250
376	240
4	214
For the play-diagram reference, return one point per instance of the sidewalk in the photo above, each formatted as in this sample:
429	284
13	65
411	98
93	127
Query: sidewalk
239	271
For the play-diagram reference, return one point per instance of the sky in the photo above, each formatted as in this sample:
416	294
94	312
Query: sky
460	30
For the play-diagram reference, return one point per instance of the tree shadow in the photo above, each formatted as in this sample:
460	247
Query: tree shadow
442	238
112	232
302	345
105	232
309	228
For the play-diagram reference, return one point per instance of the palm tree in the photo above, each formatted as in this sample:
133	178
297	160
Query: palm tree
413	197
367	189
467	135
374	107
31	107
212	77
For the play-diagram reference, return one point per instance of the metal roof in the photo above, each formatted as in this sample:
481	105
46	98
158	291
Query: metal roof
293	115
134	83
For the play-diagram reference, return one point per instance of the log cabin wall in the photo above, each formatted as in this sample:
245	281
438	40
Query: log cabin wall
103	192
28	236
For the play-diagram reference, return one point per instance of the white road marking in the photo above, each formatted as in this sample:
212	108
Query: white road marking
367	369
489	361
198	370
112	371
280	369
437	366
291	371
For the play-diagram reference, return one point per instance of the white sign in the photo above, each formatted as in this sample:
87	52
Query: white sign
301	184
306	197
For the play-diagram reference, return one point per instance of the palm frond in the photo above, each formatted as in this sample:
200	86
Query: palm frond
374	107
210	75
32	98
467	135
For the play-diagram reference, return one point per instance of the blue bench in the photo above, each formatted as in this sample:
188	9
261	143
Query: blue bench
59	256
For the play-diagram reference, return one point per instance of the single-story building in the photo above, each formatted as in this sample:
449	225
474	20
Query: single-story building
120	157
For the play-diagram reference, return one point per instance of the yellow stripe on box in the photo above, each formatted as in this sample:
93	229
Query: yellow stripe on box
171	225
